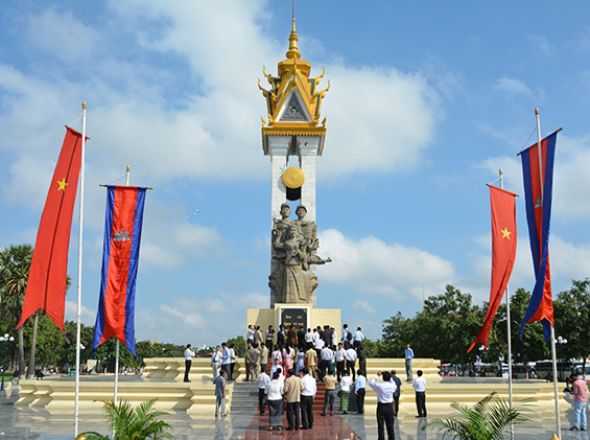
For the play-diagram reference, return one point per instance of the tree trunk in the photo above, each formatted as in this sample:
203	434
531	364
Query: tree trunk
31	370
21	352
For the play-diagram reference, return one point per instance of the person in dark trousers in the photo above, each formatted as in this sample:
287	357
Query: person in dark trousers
293	389
360	388
420	388
384	391
263	381
307	395
398	391
189	354
281	337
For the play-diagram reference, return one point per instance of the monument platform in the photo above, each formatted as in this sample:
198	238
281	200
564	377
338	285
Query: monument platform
300	315
162	380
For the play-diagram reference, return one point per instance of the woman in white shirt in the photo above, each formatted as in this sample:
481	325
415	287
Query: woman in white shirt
274	396
345	384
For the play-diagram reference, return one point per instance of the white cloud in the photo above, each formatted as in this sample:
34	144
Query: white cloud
364	306
512	85
210	320
541	43
371	265
87	316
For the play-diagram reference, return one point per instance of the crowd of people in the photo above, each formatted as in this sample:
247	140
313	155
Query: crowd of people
288	363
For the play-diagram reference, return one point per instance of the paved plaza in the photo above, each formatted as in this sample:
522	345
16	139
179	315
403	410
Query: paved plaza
21	423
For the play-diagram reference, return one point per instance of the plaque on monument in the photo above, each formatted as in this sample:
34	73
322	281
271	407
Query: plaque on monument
296	317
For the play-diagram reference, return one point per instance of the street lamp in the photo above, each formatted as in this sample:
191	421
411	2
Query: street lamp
560	341
4	340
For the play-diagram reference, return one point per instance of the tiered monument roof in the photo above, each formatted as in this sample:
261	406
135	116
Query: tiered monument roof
294	99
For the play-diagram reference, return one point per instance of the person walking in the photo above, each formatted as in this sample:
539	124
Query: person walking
420	388
362	357
580	393
384	391
351	357
189	354
263	381
397	393
345	385
293	389
307	395
326	357
274	396
220	393
360	388
226	360
409	355
232	359
330	394
311	361
340	356
346	334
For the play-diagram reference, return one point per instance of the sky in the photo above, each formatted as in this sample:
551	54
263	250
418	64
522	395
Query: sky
428	100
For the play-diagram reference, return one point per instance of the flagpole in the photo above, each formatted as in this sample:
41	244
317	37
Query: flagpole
553	347
80	243
508	330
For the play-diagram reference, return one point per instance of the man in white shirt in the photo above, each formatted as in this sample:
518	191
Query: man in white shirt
250	334
315	336
385	391
351	357
263	381
420	388
326	358
308	337
189	354
340	356
226	360
216	361
307	396
360	386
346	335
358	337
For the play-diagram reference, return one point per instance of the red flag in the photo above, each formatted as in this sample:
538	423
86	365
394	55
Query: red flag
46	287
503	205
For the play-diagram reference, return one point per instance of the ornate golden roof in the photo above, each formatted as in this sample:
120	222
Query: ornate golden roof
293	100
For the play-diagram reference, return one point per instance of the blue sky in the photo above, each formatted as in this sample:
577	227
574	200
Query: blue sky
428	99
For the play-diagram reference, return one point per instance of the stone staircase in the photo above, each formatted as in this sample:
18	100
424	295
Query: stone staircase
244	399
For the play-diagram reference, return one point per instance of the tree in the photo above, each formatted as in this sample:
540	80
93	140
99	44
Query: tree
572	316
239	345
15	262
486	420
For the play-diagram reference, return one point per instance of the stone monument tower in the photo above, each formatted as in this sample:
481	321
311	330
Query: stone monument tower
293	136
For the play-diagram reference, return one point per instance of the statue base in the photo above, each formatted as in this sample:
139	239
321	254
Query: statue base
300	315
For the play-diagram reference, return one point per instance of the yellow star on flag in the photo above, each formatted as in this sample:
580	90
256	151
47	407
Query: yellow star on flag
62	184
505	233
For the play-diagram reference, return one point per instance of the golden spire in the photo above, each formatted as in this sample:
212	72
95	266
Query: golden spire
293	51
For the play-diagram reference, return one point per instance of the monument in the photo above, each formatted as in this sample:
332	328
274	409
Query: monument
293	136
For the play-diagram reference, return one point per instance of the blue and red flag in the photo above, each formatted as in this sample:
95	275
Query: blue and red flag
538	189
120	260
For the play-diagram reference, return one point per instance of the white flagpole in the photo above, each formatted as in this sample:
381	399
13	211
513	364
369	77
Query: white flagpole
553	348
127	179
508	331
80	242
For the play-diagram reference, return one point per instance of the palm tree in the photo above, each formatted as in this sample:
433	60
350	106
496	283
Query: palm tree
15	262
486	420
127	423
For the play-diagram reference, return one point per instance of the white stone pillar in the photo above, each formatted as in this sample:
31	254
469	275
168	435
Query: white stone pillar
308	151
278	147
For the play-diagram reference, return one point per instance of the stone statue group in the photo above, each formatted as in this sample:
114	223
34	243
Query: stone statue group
294	252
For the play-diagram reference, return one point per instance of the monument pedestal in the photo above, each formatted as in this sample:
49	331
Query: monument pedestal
300	315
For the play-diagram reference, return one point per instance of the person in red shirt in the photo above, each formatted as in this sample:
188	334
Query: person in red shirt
580	393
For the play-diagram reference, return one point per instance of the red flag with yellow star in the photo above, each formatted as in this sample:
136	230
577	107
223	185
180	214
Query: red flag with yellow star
503	205
46	287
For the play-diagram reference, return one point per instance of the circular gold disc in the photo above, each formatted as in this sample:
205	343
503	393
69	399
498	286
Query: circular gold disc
293	177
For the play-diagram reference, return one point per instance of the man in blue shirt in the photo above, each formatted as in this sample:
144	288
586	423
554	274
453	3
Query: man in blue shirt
409	355
360	385
397	393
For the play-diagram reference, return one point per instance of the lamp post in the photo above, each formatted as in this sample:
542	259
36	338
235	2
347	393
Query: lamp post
4	340
560	341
